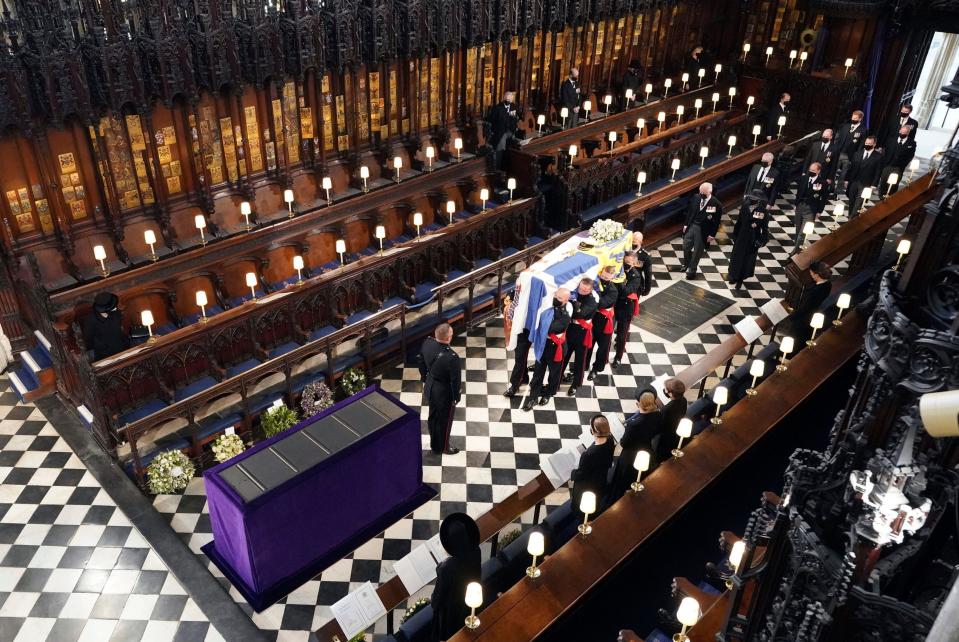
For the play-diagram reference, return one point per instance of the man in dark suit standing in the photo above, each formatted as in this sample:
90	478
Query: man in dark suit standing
702	223
553	352
897	154
569	96
906	120
810	201
440	369
849	141
503	119
771	126
823	152
633	80
763	176
673	411
863	172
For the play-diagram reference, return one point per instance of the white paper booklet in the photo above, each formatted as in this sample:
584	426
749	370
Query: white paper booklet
358	610
417	569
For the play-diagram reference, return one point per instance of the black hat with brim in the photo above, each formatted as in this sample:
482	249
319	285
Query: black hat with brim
105	302
459	534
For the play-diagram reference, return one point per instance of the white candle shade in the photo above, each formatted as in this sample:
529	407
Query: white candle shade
340	246
685	428
640	123
536	544
843	301
736	554
397	162
587	503
573	150
866	193
288	193
715	96
458	143
757	368
642	461
750	100
848	62
649	88
701	73
732	92
782	121
769	51
564	113
430	152
201	299
474	595
731	141
674	164
511	183
792	54
587	105
99	253
245	210
327	184
200	222
641	177
757	129
612	137
685	78
746	47
718	68
817	321
786	345
250	280
680	110
839	209
364	172
661	116
451	207
484	194
720	395
297	262
698	103
380	232
607	100
668	83
417	218
803	55
904	246
540	120
629	94
150	237
808	228
146	318
893	179
688	611
913	164
703	152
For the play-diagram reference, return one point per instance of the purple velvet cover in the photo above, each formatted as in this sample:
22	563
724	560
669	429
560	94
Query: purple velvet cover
291	533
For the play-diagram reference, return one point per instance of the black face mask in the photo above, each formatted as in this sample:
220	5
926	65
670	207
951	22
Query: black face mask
826	140
557	303
813	174
765	163
869	147
855	122
905	114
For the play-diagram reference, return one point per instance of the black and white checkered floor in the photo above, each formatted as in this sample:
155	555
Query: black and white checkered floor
73	567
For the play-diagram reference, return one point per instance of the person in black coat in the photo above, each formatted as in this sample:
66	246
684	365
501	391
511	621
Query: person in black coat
781	108
811	191
696	61
460	536
763	177
632	80
641	429
702	223
553	355
849	140
579	336
638	277
519	375
824	152
103	329
503	119
864	171
441	370
593	471
750	234
812	299
673	411
906	120
569	97
897	154
604	321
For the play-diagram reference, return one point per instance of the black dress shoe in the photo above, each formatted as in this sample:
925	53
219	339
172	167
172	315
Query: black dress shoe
690	276
591	375
530	402
571	392
509	392
680	268
451	451
542	401
567	377
616	363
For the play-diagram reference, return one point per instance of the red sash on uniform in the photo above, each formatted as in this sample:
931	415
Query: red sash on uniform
559	340
608	313
587	326
635	299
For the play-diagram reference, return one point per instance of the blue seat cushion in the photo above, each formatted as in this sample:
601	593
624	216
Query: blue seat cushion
358	316
142	411
166	328
418	627
454	274
482	262
322	332
212	310
242	367
198	385
423	292
393	300
215	423
508	251
282	349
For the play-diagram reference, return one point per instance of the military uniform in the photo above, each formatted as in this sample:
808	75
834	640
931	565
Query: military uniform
603	324
441	371
579	336
552	357
639	281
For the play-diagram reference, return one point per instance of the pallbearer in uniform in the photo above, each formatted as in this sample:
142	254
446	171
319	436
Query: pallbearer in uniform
440	368
518	376
553	351
604	319
639	277
579	336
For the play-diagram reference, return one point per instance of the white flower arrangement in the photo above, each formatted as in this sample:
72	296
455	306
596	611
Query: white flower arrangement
353	381
227	447
605	230
169	472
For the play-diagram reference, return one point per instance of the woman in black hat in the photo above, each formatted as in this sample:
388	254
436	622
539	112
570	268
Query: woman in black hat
751	233
459	535
103	330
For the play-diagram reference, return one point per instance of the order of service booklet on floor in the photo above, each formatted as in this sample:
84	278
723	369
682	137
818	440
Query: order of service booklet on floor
358	610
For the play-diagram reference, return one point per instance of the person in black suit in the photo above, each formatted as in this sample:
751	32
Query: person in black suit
641	429
569	96
763	177
863	172
441	370
811	193
750	234
781	108
460	537
519	374
906	120
823	151
638	272
696	60
593	470
897	154
579	336
797	325
849	140
604	319
702	223
632	79
503	119
673	411
553	355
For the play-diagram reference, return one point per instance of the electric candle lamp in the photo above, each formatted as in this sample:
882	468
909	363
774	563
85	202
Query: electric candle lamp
891	182
732	95
380	234
837	212
150	238
607	100
769	53
146	318
640	178
629	97
474	600
341	250
564	114
816	323
587	105
808	228
535	546
648	89
785	347
417	222
200	223
365	175
327	186
640	464
698	104
782	123
802	58
246	209
511	185
684	429
100	255
685	80
540	121
398	165
688	615
701	74
792	58
458	146
484	196
640	124
735	559
430	152
661	118
757	129
674	165
847	65
451	209
756	369
298	266
902	249
843	303
573	150
202	302
703	155
750	101
866	197
612	141
720	397
587	505
715	98
251	283
718	68
667	84
913	166
746	48
731	142
680	110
